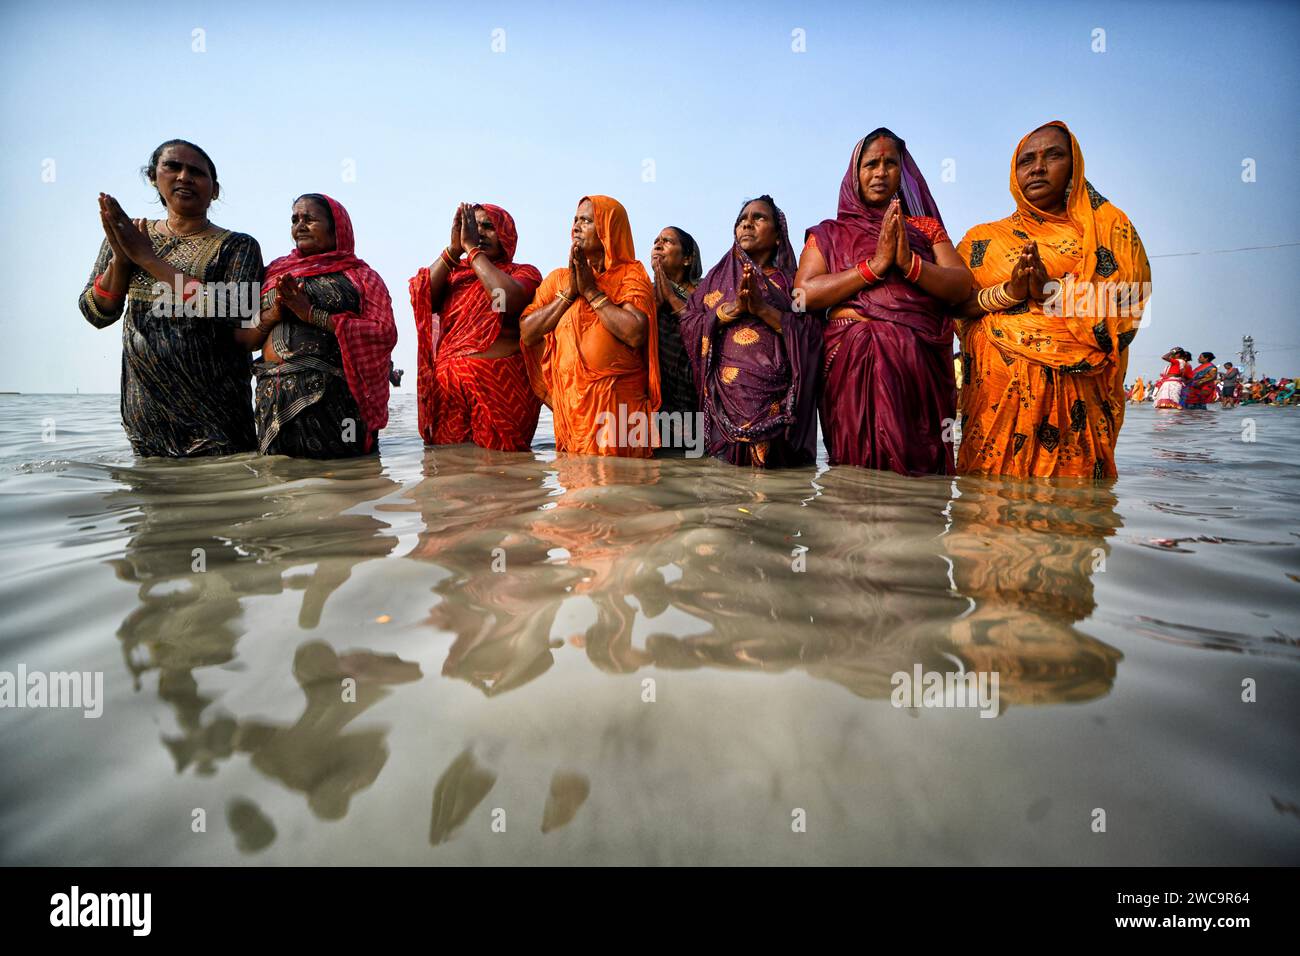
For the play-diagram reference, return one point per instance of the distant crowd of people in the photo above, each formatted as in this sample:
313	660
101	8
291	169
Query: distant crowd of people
1183	385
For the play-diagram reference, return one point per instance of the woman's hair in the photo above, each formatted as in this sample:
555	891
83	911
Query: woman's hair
321	201
690	249
1208	356
876	134
150	171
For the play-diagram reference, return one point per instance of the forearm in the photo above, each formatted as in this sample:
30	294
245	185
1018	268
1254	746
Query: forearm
534	326
952	285
439	275
826	290
499	286
627	327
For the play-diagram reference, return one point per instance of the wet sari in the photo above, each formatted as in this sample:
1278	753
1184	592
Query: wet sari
186	383
487	401
590	379
365	335
890	389
1202	388
1044	393
757	387
1170	387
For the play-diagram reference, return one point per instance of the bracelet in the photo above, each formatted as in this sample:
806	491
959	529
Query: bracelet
599	301
476	251
447	260
865	270
105	294
561	294
914	271
996	298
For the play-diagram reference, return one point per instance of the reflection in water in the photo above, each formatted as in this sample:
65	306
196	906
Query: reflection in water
1025	553
568	793
315	756
253	829
460	789
852	575
206	535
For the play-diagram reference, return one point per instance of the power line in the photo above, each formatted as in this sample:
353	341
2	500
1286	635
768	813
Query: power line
1213	252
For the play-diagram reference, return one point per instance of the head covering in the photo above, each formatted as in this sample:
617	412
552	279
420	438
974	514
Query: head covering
614	230
852	235
695	268
507	235
366	339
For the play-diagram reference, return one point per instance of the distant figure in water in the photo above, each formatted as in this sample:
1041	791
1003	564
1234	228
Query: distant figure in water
1202	387
1138	393
185	376
1170	386
1229	385
1044	394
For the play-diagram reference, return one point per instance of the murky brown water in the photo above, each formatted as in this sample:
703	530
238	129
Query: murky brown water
500	615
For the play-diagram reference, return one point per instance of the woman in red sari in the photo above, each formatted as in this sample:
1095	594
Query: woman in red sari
886	273
473	383
1202	389
1169	388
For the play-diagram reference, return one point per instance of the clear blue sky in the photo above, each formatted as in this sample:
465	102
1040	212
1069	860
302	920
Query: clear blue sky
584	93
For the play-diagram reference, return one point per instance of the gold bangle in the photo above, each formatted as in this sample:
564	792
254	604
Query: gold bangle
599	301
564	297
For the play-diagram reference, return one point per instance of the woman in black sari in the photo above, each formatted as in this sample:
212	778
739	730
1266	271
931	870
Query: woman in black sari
327	333
185	376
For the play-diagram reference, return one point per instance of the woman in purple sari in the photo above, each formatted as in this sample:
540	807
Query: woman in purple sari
885	272
755	359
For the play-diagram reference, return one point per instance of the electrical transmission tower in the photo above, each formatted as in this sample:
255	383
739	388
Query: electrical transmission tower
1247	354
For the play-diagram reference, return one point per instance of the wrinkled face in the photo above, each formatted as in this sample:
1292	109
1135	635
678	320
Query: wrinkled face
1044	167
880	171
184	181
667	251
584	229
756	230
488	240
311	229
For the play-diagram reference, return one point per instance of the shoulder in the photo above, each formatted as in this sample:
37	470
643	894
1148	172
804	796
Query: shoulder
524	272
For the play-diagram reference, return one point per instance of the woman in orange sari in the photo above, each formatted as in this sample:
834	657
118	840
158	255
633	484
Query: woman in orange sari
1061	284
590	341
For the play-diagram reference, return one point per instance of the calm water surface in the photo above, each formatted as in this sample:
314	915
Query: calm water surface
502	619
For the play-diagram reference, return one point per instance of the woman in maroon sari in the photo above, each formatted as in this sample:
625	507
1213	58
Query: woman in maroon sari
754	358
885	272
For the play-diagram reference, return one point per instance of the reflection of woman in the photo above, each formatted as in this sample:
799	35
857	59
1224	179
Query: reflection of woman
755	358
322	384
886	272
1049	541
185	378
289	538
1045	375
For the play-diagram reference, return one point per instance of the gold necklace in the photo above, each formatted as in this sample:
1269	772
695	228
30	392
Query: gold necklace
176	235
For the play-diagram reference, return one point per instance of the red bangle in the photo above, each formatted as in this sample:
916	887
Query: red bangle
472	253
104	293
448	260
864	270
914	272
